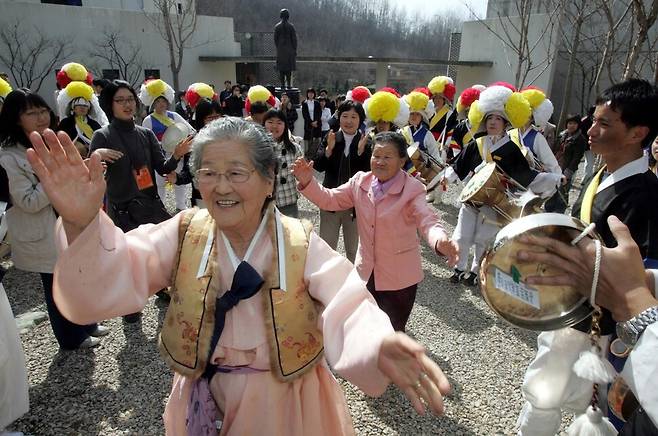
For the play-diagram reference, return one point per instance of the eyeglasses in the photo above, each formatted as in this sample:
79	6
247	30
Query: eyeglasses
123	101
206	176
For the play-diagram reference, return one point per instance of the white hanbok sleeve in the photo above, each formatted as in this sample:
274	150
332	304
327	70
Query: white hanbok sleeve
641	369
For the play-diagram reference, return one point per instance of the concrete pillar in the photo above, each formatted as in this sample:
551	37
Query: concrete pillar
381	77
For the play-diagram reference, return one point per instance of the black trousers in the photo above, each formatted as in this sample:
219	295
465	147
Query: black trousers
396	304
68	335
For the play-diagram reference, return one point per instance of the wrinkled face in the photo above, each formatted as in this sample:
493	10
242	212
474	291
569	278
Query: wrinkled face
415	119
349	121
383	126
572	126
160	105
34	119
235	207
495	125
385	161
609	133
80	111
124	105
276	127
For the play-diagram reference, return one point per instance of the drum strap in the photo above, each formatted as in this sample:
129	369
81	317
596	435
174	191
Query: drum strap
515	136
588	198
480	143
406	132
439	116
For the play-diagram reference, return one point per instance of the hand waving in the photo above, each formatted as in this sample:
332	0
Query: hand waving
362	144
331	143
448	248
303	171
75	188
404	361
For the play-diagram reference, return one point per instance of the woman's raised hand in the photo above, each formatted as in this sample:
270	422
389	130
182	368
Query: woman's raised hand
303	171
405	363
75	187
331	143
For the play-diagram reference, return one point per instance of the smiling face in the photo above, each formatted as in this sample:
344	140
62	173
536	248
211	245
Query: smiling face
276	127
609	135
124	105
235	207
160	105
349	121
34	119
385	161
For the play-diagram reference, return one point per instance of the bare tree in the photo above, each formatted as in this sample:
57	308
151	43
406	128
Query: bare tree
608	8
515	35
645	20
176	21
29	55
118	54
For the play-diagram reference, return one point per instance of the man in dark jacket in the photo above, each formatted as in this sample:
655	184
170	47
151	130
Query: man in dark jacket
570	148
285	39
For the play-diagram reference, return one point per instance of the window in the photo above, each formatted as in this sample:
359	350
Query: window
179	6
151	74
63	2
110	74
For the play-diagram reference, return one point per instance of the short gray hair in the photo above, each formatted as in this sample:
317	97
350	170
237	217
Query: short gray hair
259	143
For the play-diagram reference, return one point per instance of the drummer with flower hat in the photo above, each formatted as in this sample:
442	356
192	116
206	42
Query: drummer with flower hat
158	97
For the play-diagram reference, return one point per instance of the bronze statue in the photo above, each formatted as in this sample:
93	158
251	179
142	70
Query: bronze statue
285	39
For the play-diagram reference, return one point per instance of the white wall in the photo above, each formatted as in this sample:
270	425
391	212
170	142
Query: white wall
84	25
479	44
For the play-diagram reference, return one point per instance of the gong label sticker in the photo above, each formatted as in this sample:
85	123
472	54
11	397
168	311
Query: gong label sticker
516	289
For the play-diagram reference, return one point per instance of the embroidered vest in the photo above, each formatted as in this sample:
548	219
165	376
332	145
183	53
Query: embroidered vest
290	313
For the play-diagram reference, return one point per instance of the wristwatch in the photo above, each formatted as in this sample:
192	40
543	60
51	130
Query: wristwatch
629	331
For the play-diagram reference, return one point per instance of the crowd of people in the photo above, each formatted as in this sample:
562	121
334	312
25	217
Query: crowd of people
84	208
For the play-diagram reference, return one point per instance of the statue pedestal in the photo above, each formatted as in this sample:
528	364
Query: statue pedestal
293	94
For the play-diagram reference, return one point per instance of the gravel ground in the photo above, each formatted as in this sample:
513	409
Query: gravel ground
120	387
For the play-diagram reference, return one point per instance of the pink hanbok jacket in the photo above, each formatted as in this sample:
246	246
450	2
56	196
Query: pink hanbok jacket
105	273
388	227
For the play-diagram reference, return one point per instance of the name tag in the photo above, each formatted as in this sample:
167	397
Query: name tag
143	178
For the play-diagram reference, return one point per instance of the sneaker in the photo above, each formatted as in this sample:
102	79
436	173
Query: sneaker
100	331
456	276
132	318
163	295
90	342
469	279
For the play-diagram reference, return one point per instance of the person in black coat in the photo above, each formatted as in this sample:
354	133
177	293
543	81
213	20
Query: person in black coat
312	113
285	39
234	104
343	154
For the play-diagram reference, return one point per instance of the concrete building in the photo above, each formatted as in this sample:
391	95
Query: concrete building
83	26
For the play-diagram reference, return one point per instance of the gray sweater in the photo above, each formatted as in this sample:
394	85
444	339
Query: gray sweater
140	148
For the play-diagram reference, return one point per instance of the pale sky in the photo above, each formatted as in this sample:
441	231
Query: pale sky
438	6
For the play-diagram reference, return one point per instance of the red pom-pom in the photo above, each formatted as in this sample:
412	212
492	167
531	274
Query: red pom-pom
532	87
62	79
247	105
361	94
505	84
390	91
469	96
449	91
192	97
423	90
89	79
271	101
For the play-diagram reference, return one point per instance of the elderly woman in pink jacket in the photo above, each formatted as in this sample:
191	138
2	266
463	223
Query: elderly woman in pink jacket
390	210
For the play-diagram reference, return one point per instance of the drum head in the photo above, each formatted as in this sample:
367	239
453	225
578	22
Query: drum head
477	182
503	278
173	136
412	151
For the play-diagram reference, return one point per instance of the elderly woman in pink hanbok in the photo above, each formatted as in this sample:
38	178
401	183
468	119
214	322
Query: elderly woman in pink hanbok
260	305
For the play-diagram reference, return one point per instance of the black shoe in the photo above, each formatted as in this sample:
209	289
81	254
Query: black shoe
469	279
132	318
456	276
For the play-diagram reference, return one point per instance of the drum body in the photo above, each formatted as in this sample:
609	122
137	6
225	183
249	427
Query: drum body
503	278
430	169
174	135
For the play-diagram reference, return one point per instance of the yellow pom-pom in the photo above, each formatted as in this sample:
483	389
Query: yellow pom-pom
460	107
79	89
518	110
204	90
438	84
417	101
383	106
75	71
5	88
475	115
156	88
258	93
534	96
